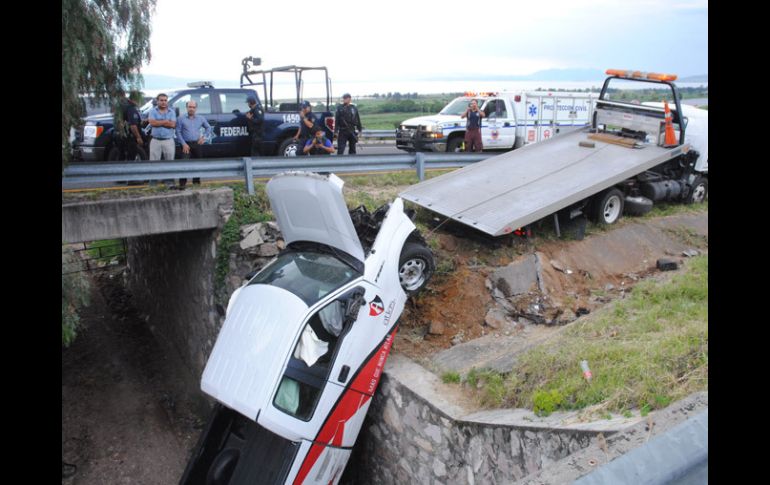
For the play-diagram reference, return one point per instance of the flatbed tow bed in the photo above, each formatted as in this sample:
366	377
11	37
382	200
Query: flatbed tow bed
514	189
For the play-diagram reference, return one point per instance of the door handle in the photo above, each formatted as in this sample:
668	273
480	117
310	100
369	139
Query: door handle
344	374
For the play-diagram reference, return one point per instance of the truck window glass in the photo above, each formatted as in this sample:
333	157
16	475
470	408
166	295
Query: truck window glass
203	100
234	101
309	275
458	106
308	368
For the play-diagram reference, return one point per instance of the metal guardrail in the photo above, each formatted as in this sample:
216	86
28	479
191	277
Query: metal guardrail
263	167
379	134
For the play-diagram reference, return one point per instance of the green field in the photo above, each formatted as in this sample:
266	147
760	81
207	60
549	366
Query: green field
385	121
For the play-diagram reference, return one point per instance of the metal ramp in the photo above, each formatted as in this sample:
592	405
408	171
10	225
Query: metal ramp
511	190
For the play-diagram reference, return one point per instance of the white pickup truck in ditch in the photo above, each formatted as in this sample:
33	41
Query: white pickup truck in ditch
513	119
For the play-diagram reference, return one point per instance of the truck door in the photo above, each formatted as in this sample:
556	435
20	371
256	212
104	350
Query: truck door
493	124
232	136
206	108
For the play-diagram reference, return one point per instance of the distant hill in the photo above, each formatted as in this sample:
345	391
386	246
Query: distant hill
700	78
545	75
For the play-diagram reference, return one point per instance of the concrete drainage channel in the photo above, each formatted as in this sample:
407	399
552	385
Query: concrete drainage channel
422	436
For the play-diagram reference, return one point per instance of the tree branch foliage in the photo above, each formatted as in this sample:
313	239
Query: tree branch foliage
104	44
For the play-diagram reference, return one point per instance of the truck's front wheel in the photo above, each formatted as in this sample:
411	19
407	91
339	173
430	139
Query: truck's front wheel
415	267
289	148
608	206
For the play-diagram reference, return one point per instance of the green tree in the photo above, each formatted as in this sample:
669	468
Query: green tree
104	44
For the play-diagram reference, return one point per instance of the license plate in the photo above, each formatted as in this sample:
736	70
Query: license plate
88	150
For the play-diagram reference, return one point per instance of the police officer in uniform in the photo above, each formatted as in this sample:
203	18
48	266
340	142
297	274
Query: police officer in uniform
133	118
255	117
346	123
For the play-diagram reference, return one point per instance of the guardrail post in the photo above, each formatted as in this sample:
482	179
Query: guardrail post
419	158
249	175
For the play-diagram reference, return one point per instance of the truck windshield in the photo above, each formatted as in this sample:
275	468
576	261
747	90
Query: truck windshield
458	106
309	275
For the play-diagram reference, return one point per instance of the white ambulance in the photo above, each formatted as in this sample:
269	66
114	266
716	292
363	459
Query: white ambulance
513	119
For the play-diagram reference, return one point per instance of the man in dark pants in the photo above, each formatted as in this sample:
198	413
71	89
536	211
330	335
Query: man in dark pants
346	123
188	131
473	127
307	123
134	142
255	118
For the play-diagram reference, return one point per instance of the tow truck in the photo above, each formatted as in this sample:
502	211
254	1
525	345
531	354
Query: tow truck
631	156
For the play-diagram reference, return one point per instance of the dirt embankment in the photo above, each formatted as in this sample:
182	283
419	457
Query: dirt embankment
572	279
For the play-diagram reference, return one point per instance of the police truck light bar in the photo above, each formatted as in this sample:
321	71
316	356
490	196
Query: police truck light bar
653	76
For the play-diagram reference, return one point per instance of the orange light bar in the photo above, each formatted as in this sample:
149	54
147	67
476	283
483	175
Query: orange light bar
655	76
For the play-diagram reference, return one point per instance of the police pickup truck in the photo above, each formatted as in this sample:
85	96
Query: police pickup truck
224	108
513	119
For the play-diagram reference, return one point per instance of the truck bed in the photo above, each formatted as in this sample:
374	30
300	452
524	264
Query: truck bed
511	190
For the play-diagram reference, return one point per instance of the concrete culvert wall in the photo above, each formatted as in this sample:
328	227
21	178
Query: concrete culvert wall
412	438
171	279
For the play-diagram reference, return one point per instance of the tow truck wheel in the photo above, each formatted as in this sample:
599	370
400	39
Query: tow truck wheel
608	207
455	145
415	267
289	148
699	191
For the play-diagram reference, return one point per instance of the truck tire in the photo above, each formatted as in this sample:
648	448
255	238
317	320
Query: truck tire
415	267
455	145
607	207
699	191
637	205
289	148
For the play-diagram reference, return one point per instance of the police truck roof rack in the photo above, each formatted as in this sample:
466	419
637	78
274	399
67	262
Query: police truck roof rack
265	77
201	84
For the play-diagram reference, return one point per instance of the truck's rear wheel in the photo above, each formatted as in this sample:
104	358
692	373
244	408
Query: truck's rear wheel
699	191
415	267
608	206
289	148
455	145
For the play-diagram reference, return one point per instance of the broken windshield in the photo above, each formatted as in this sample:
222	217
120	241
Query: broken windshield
309	275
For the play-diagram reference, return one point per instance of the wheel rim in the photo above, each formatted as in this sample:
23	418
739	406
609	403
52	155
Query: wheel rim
412	274
290	150
699	193
611	210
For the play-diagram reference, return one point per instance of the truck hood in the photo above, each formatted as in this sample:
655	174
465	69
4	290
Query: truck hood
310	207
431	120
252	346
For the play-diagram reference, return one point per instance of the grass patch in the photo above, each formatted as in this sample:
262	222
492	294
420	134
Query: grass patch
645	352
386	121
106	249
451	377
247	209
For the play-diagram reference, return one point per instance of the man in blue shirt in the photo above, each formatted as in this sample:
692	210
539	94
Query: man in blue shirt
307	123
163	122
319	144
473	127
190	136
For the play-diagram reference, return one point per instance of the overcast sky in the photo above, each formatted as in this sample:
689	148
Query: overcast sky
412	39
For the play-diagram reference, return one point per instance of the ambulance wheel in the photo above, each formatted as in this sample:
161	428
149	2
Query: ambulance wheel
699	191
455	145
608	206
415	267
